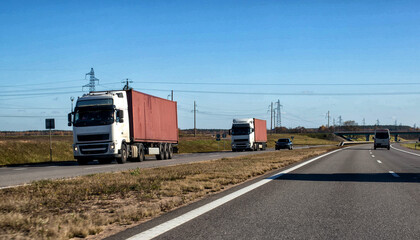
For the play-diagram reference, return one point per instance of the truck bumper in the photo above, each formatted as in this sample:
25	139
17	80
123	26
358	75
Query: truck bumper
95	151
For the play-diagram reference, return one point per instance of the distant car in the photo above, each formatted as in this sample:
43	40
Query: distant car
284	143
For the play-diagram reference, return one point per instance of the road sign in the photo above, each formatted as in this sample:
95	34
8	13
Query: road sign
49	123
292	137
217	137
224	135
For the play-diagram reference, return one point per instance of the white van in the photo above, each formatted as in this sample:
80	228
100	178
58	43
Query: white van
382	139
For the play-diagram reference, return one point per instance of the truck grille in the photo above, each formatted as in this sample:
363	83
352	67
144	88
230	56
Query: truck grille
95	137
94	149
240	140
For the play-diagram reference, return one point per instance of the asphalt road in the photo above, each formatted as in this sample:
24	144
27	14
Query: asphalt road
23	174
355	193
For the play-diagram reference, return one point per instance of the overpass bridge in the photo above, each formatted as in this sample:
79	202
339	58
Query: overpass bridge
396	133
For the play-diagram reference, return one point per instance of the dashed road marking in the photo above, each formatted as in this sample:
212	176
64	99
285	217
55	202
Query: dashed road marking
379	161
394	174
373	155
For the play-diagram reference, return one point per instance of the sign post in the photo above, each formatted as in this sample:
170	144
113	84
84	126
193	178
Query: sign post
50	124
218	139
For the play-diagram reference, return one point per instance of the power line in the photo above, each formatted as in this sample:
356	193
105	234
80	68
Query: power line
285	84
291	94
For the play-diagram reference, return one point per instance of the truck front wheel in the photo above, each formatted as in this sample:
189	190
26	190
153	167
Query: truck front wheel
123	151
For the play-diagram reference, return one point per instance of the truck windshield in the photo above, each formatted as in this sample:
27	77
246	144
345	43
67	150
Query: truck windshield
89	117
241	130
382	135
94	102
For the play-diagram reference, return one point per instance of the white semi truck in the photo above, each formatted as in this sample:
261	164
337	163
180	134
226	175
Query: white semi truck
249	134
123	125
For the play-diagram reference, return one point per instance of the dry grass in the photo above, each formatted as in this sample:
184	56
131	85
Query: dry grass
63	209
414	146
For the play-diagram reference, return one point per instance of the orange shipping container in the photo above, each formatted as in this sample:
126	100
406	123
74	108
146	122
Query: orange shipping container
260	130
152	119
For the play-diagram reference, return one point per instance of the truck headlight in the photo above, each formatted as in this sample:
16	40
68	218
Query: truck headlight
112	146
75	148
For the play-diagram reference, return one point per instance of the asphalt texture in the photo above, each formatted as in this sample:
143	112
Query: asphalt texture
24	174
356	193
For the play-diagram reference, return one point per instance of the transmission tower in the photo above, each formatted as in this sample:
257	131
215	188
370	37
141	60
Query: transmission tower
278	123
92	80
126	86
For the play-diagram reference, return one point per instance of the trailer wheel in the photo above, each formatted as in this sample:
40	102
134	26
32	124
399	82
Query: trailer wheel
170	151
160	156
140	154
165	151
123	158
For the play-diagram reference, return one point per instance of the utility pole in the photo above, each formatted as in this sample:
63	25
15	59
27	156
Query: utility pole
328	116
71	99
92	80
172	95
271	116
195	110
377	122
340	120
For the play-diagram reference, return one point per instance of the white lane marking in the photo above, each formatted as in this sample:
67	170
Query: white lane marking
373	155
379	161
98	167
394	174
13	186
171	224
405	151
19	169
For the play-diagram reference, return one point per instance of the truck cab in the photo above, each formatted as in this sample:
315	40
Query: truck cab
100	126
246	136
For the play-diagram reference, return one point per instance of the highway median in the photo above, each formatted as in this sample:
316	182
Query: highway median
100	204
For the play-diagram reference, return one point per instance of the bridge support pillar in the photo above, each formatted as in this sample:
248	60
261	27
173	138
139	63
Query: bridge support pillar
367	137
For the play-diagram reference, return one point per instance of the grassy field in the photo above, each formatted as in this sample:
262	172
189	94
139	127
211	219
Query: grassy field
412	145
35	149
107	202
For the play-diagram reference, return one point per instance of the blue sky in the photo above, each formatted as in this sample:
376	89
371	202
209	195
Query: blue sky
46	47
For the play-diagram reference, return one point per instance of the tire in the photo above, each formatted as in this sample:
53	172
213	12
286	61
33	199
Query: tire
82	161
388	147
233	149
374	148
165	151
124	154
160	155
170	151
140	155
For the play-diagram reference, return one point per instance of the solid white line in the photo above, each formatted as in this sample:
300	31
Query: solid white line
405	151
98	167
394	174
379	161
19	169
171	224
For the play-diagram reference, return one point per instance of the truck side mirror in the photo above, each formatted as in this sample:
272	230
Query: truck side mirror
120	116
230	131
69	119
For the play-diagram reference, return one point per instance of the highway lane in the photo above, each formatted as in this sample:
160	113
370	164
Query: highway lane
356	193
22	174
